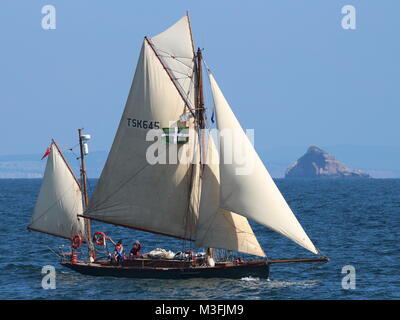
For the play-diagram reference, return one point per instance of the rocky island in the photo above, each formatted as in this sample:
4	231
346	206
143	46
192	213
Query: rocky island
316	163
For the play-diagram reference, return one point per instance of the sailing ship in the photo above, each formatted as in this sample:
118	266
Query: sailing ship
205	201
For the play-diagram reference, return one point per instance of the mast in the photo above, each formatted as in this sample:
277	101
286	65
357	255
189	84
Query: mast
199	107
200	116
85	194
200	95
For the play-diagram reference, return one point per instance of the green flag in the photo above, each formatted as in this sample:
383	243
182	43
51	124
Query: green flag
176	135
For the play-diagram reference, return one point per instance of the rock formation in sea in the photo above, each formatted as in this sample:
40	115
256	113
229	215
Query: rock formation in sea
316	163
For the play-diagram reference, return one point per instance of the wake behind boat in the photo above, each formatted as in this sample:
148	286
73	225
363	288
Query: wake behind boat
204	200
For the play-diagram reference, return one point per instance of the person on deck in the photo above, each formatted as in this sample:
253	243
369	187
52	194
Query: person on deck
135	251
118	252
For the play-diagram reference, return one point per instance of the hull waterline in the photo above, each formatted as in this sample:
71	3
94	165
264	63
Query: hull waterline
258	269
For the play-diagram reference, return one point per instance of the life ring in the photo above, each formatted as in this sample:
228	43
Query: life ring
76	242
100	238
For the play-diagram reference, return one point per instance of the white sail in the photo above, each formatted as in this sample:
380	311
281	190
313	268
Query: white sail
175	48
131	191
59	201
195	193
216	227
246	187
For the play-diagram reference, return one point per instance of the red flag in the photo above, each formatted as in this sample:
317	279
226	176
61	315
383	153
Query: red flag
46	153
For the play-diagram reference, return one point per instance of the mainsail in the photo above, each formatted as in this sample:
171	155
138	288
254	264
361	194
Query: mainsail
131	191
246	187
216	227
59	201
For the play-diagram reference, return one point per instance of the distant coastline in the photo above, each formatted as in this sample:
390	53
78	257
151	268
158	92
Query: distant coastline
378	162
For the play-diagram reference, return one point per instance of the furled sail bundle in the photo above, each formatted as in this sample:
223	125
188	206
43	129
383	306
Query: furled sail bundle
60	200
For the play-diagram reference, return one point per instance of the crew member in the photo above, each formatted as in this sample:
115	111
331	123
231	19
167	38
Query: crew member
118	252
135	251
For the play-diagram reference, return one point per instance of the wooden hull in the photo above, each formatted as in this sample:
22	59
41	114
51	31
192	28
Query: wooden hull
256	269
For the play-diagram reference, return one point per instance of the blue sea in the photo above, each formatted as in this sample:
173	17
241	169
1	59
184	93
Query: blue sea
354	222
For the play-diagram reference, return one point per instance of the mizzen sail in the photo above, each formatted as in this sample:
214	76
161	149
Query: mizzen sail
246	187
59	201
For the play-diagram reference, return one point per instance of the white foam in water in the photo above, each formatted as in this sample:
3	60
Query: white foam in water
284	284
250	279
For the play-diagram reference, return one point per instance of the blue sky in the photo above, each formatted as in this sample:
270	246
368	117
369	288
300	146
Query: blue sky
288	68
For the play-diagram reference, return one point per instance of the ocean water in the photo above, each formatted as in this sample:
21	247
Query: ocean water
354	222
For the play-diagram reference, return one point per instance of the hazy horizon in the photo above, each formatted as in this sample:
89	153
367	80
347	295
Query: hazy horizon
276	160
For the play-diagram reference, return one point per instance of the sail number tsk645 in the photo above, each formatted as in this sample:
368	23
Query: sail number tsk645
143	124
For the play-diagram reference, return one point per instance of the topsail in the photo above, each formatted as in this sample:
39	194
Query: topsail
176	51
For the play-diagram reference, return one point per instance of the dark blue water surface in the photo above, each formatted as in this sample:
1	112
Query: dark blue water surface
354	222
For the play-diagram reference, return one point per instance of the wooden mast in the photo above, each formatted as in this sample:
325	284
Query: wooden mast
200	116
199	108
200	95
85	194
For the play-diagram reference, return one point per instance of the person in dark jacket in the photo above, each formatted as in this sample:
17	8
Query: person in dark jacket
135	251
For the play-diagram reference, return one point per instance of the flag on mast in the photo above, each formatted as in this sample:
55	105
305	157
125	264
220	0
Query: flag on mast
46	153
